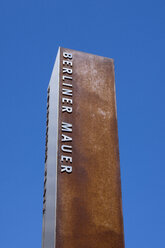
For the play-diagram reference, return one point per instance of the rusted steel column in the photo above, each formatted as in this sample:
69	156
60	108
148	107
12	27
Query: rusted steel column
88	209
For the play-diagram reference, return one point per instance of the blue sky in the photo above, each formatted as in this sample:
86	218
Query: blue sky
130	32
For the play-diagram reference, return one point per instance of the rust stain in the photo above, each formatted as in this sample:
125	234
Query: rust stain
89	207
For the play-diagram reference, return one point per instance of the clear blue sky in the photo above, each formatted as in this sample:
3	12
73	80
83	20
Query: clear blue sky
131	32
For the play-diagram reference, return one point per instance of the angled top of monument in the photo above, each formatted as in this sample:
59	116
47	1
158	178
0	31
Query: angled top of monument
82	189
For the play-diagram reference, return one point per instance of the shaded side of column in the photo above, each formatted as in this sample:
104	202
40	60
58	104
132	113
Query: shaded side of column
50	179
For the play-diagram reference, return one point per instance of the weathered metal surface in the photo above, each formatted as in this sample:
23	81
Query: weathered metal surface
89	211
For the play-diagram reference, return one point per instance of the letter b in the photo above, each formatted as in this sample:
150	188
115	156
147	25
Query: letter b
67	55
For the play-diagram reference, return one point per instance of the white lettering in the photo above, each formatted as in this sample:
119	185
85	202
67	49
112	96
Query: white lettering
66	77
67	55
66	127
66	138
66	148
66	70
66	62
66	158
66	168
67	92
66	109
65	84
67	100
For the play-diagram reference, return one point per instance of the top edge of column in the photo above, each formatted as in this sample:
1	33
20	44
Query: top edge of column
69	49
